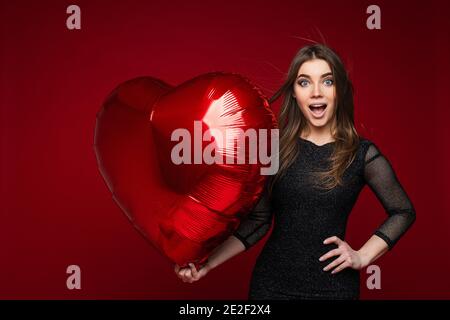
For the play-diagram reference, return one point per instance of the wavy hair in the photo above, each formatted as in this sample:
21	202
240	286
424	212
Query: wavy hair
292	122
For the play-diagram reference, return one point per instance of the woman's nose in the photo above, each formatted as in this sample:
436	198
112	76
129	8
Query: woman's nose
316	91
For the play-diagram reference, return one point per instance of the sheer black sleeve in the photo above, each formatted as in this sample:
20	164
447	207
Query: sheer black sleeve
381	178
255	224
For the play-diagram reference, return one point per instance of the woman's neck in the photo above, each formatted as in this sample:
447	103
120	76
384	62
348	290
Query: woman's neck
318	135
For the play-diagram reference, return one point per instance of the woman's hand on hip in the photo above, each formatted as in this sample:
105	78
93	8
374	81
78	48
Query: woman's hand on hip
346	256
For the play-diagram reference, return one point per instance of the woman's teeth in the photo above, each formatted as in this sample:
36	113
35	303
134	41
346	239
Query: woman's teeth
318	110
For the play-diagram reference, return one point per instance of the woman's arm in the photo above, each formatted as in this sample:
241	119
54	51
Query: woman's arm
380	177
374	248
228	249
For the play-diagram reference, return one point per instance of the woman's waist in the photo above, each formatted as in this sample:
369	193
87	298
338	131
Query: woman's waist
297	274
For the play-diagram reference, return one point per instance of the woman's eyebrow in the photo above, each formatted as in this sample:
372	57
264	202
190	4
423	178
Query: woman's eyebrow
322	76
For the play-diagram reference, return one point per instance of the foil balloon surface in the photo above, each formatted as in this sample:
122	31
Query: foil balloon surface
179	160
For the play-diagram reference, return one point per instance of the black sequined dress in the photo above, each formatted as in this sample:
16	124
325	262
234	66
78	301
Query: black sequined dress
288	266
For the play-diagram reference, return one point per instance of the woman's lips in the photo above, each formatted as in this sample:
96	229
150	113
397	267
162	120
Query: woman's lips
318	109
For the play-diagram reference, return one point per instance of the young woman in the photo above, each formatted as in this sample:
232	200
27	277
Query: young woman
324	165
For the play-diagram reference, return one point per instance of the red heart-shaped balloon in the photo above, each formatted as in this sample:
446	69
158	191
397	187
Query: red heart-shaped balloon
185	209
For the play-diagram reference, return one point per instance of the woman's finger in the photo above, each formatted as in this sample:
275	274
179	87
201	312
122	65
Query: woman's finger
188	274
333	239
329	254
194	271
341	267
335	263
179	273
184	273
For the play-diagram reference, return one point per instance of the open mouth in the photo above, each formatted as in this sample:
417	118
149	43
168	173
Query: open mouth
318	109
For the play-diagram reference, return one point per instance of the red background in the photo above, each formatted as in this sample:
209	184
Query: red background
55	207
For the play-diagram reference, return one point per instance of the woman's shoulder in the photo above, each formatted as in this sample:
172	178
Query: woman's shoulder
365	143
367	148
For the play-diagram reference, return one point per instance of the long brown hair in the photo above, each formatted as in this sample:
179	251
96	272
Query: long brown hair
292	122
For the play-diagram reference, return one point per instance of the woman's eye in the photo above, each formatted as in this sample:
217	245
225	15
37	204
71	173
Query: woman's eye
303	83
328	82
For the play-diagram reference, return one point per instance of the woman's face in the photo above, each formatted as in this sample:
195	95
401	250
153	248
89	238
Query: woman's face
314	91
